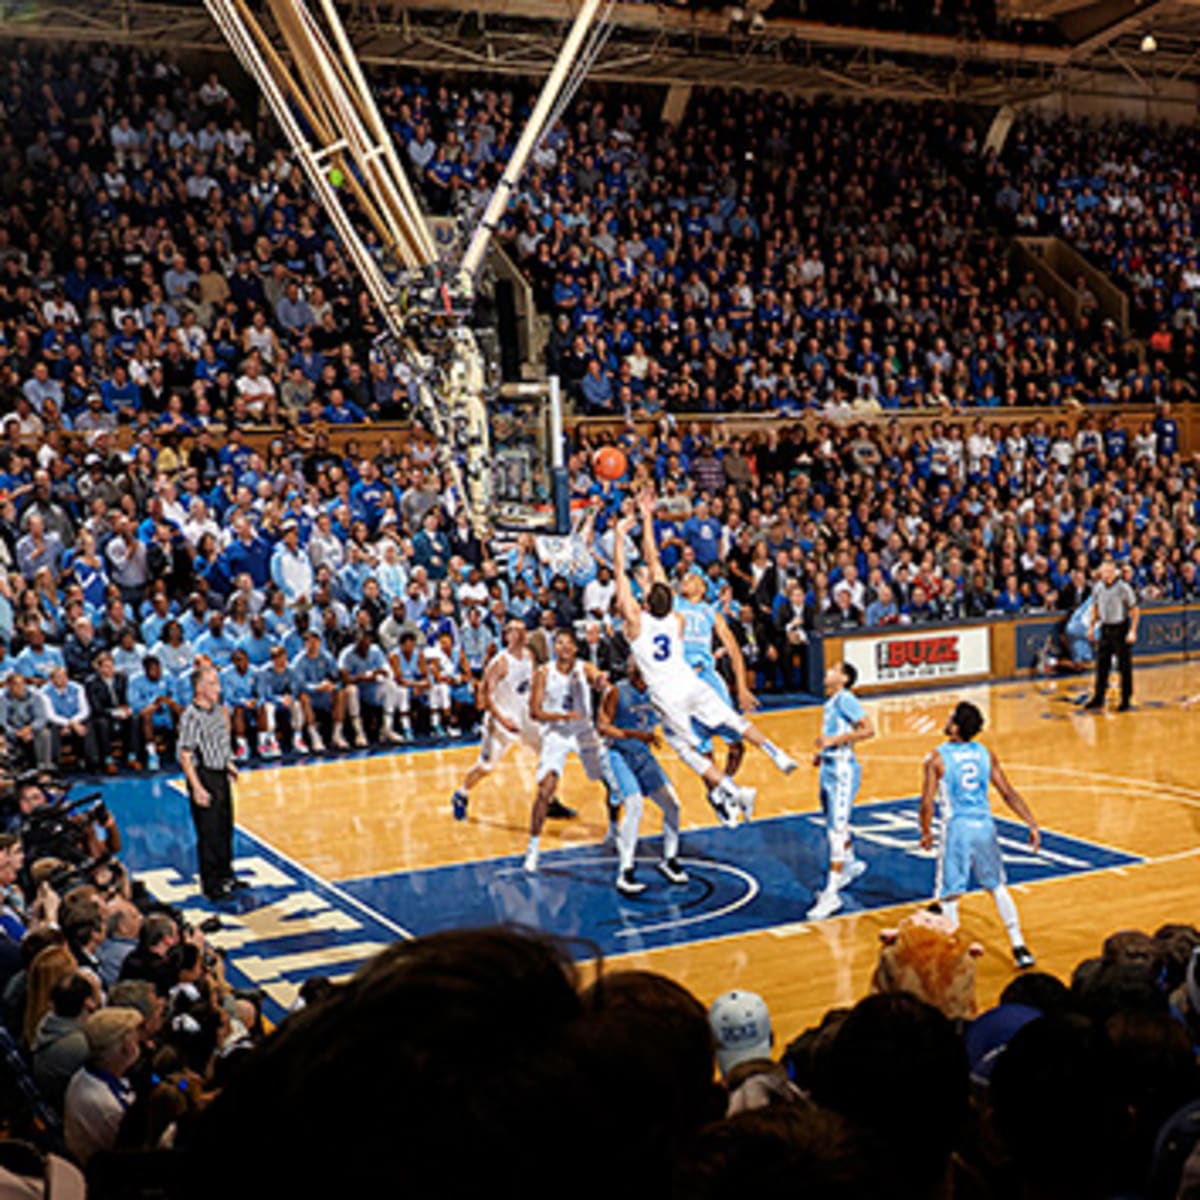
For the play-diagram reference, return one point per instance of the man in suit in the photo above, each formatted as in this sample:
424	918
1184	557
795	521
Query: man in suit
111	714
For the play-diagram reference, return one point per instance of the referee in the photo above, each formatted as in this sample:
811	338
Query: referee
1115	611
206	757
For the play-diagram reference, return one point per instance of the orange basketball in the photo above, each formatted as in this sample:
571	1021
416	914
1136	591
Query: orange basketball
609	463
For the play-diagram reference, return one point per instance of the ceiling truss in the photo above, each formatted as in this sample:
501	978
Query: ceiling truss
652	44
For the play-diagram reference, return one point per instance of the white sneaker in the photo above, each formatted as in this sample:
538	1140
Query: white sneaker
530	864
672	871
628	884
339	740
269	747
827	903
360	737
241	752
388	736
298	746
406	732
725	806
316	741
745	797
852	870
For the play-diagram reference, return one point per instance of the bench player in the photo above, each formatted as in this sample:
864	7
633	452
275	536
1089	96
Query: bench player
629	722
560	699
655	635
957	775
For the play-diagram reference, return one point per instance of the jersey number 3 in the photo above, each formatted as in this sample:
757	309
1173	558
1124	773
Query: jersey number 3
662	648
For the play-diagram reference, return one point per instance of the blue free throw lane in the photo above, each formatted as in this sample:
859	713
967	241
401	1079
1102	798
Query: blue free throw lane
757	877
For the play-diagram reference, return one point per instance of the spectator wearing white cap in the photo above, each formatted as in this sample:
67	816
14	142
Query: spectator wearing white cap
99	1095
741	1026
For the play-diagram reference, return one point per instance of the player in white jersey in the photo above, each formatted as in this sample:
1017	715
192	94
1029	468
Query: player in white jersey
504	699
560	698
655	636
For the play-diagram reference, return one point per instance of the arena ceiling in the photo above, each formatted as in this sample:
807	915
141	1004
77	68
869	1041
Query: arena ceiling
1093	46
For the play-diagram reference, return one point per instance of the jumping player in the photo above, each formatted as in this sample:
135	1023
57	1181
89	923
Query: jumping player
656	638
701	621
843	725
628	722
504	699
958	773
560	698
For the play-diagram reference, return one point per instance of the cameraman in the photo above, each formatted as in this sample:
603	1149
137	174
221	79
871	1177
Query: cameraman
68	832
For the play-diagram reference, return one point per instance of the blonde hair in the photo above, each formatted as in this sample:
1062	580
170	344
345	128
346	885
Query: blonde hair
48	967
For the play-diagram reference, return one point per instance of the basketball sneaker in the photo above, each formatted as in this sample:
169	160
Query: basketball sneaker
530	865
1023	957
827	903
628	884
723	798
746	797
851	870
782	760
459	803
672	871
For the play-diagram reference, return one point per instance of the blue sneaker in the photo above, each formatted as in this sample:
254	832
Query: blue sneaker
152	763
459	803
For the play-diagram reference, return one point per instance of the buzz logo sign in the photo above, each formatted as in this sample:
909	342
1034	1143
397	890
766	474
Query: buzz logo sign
904	658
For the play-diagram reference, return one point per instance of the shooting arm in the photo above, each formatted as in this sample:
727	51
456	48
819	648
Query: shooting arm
626	604
649	544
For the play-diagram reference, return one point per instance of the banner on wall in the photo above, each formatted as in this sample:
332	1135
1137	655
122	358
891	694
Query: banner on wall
931	654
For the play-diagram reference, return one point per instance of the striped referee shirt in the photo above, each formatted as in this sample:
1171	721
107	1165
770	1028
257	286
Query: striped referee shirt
1114	602
205	732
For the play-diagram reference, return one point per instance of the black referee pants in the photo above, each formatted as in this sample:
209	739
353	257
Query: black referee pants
1113	640
214	830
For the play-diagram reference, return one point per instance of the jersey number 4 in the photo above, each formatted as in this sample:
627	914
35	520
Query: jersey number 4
662	648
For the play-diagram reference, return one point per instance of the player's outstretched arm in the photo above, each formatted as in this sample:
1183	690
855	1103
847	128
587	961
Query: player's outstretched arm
931	781
649	545
746	697
627	605
1015	801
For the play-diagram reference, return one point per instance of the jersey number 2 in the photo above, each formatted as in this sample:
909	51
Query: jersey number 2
662	648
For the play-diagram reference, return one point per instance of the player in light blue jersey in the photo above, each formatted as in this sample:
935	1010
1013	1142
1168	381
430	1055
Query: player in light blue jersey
844	724
957	775
628	722
701	623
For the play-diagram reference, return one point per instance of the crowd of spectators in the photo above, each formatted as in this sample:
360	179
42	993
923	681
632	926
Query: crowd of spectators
166	283
116	1018
1124	193
496	1063
778	256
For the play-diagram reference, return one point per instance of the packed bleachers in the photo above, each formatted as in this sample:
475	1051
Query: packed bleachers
1121	192
166	284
